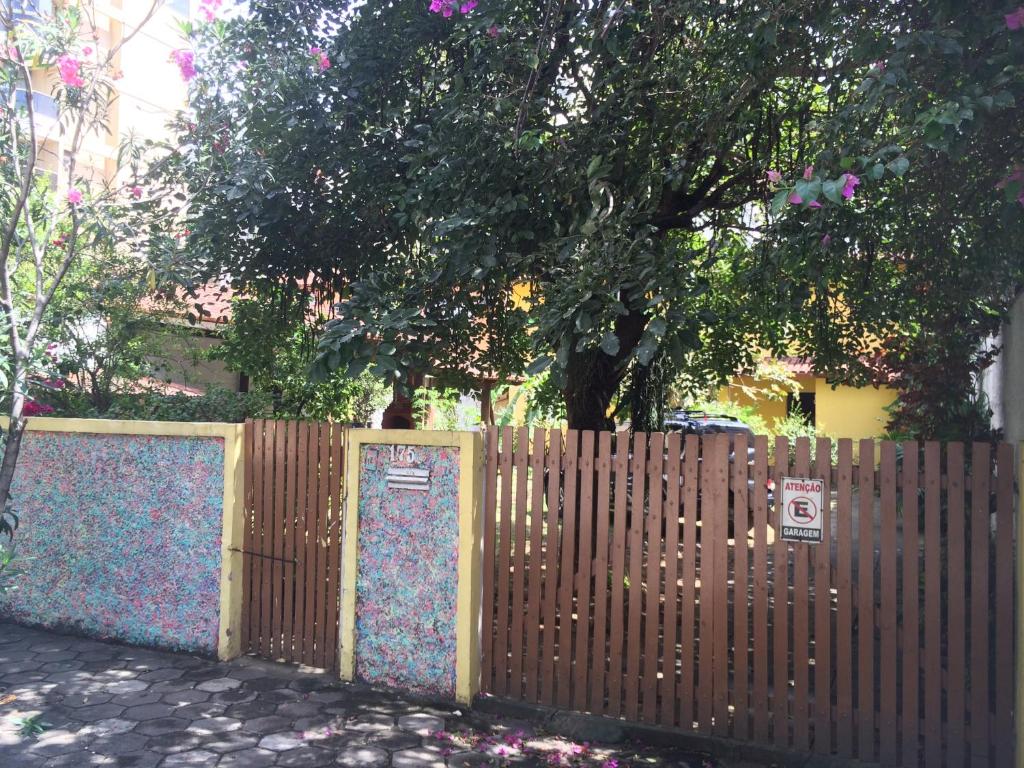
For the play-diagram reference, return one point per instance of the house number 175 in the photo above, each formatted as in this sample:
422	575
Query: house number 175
404	453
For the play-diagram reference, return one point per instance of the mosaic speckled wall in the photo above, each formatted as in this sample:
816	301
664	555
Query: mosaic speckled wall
120	537
408	568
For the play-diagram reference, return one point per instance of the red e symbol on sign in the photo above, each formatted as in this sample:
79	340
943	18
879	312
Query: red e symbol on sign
802	510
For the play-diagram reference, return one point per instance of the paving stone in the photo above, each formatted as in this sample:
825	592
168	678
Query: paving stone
251	710
162	725
305	684
162	675
469	759
200	710
223	743
248	758
184	698
218	684
172	743
55	743
72	665
393	740
371	722
421	723
214	725
263	683
109	726
362	757
143	759
193	757
281	695
295	709
136	699
281	742
84	700
417	758
149	711
327	696
98	712
127	686
234	696
173	686
301	757
263	725
119	743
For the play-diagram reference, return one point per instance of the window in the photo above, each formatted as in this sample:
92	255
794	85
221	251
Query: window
803	403
42	104
181	7
21	9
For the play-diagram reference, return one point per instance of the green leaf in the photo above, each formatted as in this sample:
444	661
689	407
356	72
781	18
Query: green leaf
610	343
898	166
876	172
833	190
539	365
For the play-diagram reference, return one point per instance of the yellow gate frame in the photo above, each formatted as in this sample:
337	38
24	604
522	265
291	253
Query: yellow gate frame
467	616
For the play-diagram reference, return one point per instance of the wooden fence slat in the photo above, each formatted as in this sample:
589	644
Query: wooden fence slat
501	643
292	473
888	621
277	532
323	656
667	712
247	538
567	572
521	457
298	527
866	602
720	589
687	627
267	538
312	525
339	451
823	605
844	599
910	711
636	553
1004	615
617	614
933	732
586	494
601	576
981	460
760	639
706	617
780	606
489	581
801	609
652	617
535	567
956	536
551	537
740	601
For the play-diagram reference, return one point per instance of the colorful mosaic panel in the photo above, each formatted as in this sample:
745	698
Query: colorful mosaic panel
408	567
120	537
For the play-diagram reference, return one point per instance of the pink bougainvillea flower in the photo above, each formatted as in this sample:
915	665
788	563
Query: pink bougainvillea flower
1016	175
1015	20
74	196
136	192
87	51
850	183
814	204
186	61
794	199
825	240
774	177
878	68
492	31
70	72
467	6
448	10
808	173
32	408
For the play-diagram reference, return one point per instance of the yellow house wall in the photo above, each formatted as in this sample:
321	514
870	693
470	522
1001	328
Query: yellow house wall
855	412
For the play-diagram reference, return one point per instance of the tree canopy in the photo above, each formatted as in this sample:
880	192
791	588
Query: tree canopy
612	191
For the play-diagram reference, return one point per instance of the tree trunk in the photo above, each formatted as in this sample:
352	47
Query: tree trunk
15	430
593	377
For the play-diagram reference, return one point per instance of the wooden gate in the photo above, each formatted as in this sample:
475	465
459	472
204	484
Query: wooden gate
641	578
292	550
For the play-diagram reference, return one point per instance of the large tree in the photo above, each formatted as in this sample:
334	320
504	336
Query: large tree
607	161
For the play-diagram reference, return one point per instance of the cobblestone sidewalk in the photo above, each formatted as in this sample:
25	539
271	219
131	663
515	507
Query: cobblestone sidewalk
101	704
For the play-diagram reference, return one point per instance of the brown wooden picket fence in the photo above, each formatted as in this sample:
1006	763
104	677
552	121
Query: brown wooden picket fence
642	580
292	552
